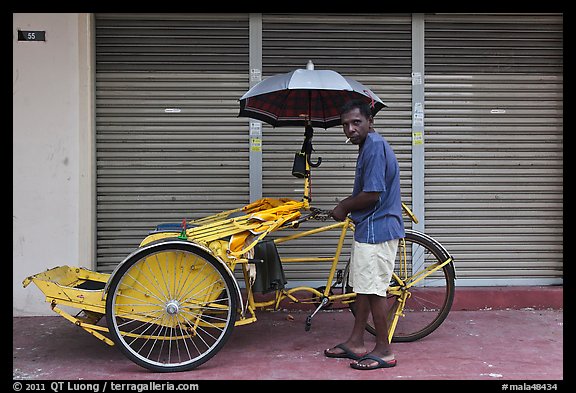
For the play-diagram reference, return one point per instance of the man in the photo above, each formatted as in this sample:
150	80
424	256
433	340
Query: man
376	209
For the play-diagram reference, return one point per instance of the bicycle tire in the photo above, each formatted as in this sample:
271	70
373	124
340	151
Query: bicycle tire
428	306
171	307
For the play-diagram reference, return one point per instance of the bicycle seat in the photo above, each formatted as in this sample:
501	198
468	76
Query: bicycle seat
170	227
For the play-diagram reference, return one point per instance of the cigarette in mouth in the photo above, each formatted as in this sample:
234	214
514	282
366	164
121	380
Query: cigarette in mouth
347	140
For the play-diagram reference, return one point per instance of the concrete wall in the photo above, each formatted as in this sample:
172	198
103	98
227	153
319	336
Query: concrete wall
52	158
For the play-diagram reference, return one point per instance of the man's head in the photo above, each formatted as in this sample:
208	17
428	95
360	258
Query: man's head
357	120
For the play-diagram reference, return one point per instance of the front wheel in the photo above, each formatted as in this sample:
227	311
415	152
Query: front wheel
429	301
171	306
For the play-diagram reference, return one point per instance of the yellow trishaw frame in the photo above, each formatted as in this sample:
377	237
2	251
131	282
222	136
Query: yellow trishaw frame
231	240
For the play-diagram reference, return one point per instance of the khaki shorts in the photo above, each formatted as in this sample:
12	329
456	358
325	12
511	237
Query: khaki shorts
371	266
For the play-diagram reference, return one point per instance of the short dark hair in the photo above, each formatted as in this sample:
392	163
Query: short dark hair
363	106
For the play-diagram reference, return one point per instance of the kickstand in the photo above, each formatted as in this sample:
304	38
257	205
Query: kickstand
309	317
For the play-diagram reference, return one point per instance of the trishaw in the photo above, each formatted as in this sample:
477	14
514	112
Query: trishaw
173	302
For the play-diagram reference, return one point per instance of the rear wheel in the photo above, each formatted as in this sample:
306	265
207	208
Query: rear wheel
171	307
428	302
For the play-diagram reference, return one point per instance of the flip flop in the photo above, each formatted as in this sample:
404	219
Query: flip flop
347	354
381	363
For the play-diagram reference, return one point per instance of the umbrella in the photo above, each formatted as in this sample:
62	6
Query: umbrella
304	97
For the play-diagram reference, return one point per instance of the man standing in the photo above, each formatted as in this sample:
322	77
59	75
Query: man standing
376	209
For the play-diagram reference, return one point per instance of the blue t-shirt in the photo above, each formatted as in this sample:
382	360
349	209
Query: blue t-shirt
377	170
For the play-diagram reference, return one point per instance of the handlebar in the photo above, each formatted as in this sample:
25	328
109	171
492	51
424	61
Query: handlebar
323	215
315	213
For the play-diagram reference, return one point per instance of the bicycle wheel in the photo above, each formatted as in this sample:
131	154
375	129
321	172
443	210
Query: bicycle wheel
428	302
171	307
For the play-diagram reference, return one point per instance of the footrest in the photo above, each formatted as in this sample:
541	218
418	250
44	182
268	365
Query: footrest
90	317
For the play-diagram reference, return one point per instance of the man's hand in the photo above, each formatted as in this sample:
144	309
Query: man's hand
361	201
339	214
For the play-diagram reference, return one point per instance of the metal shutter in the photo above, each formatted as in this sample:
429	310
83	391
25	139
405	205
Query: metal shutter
169	142
376	51
494	135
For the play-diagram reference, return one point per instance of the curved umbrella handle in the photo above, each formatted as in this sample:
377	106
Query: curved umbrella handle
307	146
312	164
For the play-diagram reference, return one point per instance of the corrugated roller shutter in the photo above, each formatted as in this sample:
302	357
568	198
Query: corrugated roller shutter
494	143
169	142
376	51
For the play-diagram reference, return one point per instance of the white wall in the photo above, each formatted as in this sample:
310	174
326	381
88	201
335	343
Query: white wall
51	170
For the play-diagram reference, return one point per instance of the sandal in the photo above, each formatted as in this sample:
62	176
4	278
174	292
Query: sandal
380	363
347	354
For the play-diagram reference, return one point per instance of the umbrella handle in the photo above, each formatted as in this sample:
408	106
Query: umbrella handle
312	164
307	146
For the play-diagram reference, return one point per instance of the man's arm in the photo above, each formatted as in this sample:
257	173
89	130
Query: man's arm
361	201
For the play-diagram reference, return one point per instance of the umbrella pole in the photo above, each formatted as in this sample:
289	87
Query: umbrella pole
307	186
307	174
308	129
307	150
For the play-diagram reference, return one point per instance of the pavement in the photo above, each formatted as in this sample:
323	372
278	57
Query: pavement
480	340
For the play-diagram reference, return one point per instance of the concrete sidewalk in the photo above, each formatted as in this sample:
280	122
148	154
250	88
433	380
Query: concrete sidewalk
499	345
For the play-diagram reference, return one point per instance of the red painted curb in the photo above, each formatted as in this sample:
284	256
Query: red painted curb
473	298
501	298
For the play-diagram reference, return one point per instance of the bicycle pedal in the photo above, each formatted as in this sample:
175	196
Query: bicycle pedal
308	324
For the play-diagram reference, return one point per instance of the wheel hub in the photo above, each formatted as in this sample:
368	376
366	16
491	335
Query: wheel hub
172	307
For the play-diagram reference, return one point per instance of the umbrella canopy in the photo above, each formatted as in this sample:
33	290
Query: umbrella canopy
304	94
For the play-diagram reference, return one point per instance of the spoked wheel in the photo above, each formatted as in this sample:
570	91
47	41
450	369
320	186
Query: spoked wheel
428	302
171	306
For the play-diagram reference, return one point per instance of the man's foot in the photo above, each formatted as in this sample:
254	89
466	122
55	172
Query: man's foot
372	362
341	351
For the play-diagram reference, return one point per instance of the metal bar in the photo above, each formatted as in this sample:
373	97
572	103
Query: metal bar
337	256
307	233
255	64
422	274
87	327
310	259
418	134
